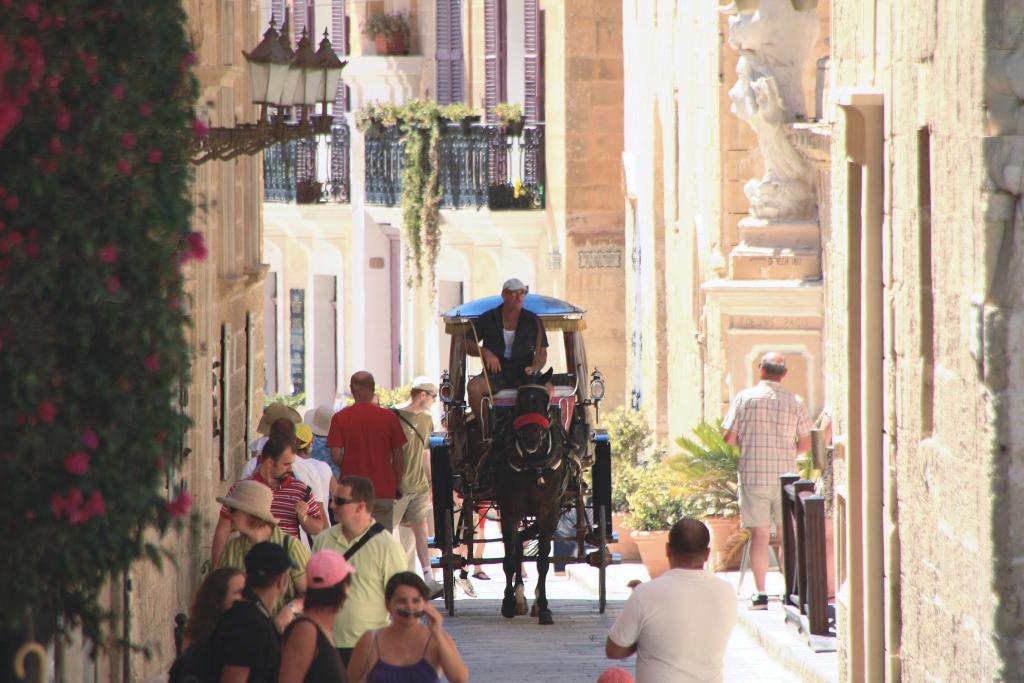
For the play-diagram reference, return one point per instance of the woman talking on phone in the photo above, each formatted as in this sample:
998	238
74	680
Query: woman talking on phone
407	651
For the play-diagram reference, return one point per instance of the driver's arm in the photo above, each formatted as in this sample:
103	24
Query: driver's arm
472	347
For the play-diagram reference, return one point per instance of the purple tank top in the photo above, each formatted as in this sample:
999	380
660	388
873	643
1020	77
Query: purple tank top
420	672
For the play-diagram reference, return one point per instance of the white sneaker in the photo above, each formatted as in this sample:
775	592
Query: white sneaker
466	585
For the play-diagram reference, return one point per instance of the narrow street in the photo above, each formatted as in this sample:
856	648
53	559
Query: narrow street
498	650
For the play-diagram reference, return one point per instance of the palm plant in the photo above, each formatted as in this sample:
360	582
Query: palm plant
708	467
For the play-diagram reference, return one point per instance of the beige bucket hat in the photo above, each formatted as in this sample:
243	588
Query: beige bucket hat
273	413
253	497
319	419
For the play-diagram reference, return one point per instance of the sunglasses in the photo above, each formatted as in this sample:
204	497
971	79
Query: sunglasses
338	500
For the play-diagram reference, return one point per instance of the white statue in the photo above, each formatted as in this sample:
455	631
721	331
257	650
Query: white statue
774	43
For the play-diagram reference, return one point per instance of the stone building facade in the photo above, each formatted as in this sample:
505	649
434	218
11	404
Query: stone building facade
912	145
562	62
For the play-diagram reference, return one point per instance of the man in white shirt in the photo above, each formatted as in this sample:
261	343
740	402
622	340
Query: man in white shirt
679	623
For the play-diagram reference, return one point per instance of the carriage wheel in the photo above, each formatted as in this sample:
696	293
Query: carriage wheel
448	555
602	549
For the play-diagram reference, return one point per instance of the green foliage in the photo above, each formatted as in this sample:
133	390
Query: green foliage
630	434
296	401
384	24
95	215
658	502
626	478
508	113
393	397
456	111
709	469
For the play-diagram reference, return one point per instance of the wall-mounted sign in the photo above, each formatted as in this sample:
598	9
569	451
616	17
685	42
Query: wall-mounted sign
599	258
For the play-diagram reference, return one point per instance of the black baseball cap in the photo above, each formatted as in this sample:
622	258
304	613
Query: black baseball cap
267	559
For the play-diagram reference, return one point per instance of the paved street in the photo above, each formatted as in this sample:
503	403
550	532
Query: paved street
572	651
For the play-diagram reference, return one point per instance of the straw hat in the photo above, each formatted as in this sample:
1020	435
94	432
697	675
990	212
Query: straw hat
274	412
320	419
253	497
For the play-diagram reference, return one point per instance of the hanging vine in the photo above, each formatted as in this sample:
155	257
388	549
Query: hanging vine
420	124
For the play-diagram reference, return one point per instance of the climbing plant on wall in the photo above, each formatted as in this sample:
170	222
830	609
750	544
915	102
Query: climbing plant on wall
419	124
96	110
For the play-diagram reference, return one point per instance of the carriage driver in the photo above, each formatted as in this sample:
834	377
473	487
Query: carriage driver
512	345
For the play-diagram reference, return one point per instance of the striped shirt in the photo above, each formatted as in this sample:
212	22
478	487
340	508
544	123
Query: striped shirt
239	546
768	421
290	492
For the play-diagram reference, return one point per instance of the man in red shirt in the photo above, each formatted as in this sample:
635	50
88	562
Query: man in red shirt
366	441
293	504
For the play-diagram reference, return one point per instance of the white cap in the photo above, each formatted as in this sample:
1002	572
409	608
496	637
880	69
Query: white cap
513	285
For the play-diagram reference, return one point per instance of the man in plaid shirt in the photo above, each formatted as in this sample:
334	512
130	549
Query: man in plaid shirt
771	426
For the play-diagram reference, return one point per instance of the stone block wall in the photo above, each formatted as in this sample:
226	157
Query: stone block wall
952	302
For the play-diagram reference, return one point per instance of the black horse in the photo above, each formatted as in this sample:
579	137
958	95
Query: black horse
531	475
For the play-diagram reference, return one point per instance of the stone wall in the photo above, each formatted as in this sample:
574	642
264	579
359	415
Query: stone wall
951	303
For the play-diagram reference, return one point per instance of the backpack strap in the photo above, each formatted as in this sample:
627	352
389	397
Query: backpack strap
374	529
415	431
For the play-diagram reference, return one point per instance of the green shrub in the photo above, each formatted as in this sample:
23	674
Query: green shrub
709	468
296	401
630	434
659	501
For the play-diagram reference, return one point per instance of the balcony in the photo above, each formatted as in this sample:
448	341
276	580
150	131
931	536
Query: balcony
480	166
312	171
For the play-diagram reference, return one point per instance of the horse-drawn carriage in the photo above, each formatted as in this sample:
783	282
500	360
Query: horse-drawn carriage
535	458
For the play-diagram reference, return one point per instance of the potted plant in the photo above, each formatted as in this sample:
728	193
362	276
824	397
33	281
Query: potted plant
656	505
390	33
709	468
458	112
632	437
510	116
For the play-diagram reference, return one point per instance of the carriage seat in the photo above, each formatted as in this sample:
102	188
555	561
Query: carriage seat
563	396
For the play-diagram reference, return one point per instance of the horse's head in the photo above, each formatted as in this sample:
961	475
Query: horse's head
531	414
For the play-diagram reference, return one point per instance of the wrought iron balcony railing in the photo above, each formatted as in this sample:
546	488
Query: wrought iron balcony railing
308	171
480	166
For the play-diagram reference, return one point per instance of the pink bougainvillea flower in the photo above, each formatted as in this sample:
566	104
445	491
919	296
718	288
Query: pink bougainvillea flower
128	140
11	203
10	116
31	12
145	110
179	507
46	412
96	507
56	147
77	463
124	167
189	59
152	362
107	254
90	439
14	238
33	61
118	91
88	61
196	246
57	504
53	82
113	284
63	119
199	129
155	156
6	56
32	250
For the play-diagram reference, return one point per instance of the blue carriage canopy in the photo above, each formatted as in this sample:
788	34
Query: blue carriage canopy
557	315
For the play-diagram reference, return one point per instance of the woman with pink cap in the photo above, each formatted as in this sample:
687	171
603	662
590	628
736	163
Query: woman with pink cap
308	654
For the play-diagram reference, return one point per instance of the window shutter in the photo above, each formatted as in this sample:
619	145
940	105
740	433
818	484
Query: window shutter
305	155
339	41
449	51
277	12
494	56
531	49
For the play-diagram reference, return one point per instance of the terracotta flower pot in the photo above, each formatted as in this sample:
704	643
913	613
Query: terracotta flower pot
622	523
652	550
390	44
722	529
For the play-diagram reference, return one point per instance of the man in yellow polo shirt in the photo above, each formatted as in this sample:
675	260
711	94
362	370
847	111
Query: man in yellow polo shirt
376	560
249	503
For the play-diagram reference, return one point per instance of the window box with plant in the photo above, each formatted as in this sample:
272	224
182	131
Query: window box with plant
390	33
510	117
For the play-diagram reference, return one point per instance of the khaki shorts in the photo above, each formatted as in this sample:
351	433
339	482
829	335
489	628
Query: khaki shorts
760	506
412	508
384	512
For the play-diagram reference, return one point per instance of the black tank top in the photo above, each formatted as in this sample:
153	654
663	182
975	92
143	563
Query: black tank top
326	666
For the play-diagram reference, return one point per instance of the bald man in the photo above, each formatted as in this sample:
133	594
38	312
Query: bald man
771	427
678	624
366	441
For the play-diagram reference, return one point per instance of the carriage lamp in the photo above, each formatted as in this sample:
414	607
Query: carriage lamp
279	79
445	390
597	385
